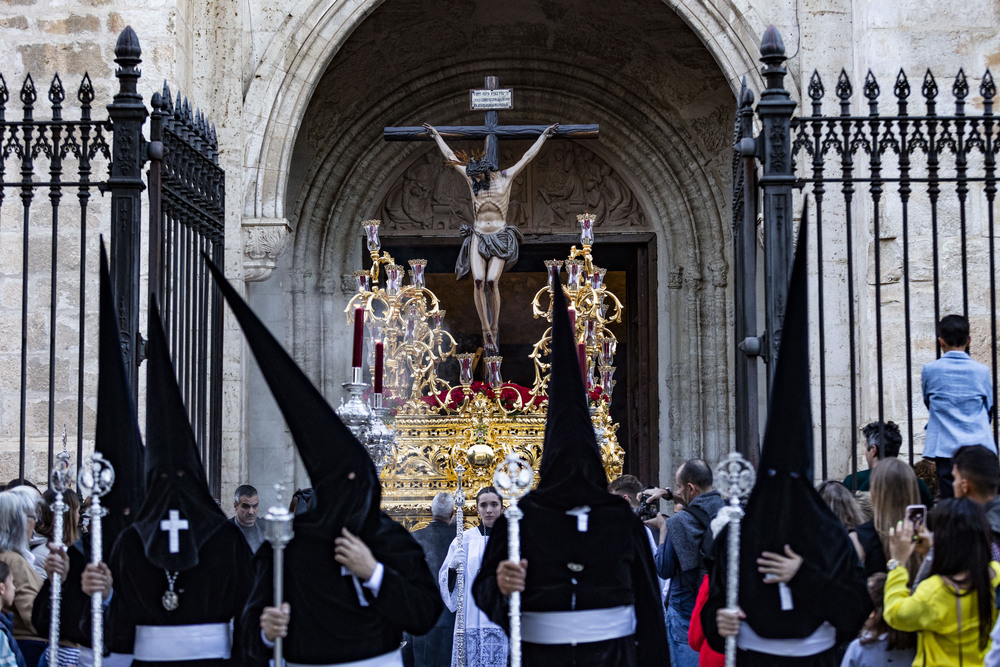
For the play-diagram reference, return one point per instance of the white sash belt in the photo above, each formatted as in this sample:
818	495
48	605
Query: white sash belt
577	627
391	659
166	643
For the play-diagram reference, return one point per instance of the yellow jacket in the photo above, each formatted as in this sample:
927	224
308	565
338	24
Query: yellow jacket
932	612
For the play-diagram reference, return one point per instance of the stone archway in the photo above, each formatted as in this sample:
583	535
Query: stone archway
664	107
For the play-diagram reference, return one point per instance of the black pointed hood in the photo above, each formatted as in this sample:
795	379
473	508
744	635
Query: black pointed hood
784	507
571	473
175	476
346	489
117	434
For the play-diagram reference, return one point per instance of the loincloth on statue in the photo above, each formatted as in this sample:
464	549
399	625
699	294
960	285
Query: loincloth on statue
503	244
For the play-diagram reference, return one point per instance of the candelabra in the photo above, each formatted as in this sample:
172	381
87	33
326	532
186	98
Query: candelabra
592	309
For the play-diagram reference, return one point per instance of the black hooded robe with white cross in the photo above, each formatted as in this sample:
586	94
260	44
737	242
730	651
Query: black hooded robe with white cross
181	549
586	549
214	591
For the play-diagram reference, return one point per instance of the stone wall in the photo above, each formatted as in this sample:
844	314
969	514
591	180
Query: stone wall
299	140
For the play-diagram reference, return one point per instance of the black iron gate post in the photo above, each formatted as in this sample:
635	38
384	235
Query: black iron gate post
745	287
127	114
775	112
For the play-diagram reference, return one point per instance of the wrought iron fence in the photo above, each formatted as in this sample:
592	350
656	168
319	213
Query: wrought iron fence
902	233
58	157
188	217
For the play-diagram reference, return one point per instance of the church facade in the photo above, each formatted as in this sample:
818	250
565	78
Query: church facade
300	91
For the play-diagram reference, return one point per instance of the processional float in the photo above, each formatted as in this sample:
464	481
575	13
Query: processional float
418	427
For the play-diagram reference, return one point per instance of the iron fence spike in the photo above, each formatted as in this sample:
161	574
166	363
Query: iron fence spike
987	88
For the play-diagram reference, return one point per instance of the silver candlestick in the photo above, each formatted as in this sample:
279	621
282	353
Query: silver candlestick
381	438
59	482
96	479
355	413
735	478
513	478
279	532
459	642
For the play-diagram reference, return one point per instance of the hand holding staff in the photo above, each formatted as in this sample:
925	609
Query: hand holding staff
736	478
459	641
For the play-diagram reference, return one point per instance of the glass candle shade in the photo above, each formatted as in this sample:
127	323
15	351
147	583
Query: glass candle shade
552	266
419	266
465	367
574	269
393	279
363	279
493	371
597	278
586	221
371	233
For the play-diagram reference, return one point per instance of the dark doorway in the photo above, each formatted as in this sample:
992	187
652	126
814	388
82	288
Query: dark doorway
630	260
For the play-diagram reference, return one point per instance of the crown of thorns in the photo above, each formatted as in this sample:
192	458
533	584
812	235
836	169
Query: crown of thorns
464	159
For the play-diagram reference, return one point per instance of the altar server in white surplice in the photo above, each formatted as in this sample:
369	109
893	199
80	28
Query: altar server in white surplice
485	641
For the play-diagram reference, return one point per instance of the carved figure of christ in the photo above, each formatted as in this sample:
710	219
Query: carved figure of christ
491	245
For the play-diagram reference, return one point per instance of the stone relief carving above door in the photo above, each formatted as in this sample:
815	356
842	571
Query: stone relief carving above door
564	181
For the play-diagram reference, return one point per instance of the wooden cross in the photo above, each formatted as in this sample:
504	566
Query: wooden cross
491	130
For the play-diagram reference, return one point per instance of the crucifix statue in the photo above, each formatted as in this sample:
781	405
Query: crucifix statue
490	246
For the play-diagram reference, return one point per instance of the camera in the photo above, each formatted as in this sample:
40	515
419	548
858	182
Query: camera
648	508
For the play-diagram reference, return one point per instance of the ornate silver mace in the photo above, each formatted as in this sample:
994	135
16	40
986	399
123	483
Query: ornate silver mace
279	532
59	482
735	477
513	479
96	479
459	642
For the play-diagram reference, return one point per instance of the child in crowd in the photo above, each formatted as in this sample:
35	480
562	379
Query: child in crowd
879	644
10	654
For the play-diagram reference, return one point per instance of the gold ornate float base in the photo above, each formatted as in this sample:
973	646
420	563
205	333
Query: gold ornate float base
431	446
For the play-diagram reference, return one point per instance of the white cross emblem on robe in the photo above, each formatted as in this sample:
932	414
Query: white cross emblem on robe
174	525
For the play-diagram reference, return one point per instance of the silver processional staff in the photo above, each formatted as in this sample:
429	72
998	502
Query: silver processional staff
735	478
59	482
513	478
97	477
279	532
459	641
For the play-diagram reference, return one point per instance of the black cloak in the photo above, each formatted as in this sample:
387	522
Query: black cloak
785	508
211	561
328	623
117	438
608	565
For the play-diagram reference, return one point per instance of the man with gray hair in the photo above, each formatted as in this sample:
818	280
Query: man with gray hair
246	503
434	648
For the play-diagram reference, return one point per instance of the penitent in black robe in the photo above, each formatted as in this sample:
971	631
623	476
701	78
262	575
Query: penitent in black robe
213	591
328	624
617	570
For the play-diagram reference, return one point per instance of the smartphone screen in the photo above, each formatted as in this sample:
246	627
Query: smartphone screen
917	515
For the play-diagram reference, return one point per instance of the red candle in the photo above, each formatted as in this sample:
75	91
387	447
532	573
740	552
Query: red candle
581	355
572	320
359	335
378	367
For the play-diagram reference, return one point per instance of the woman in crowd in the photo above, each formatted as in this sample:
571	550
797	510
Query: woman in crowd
14	525
953	610
893	487
843	504
46	522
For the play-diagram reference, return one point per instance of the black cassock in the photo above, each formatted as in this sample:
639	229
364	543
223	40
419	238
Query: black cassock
617	569
327	623
213	591
74	609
